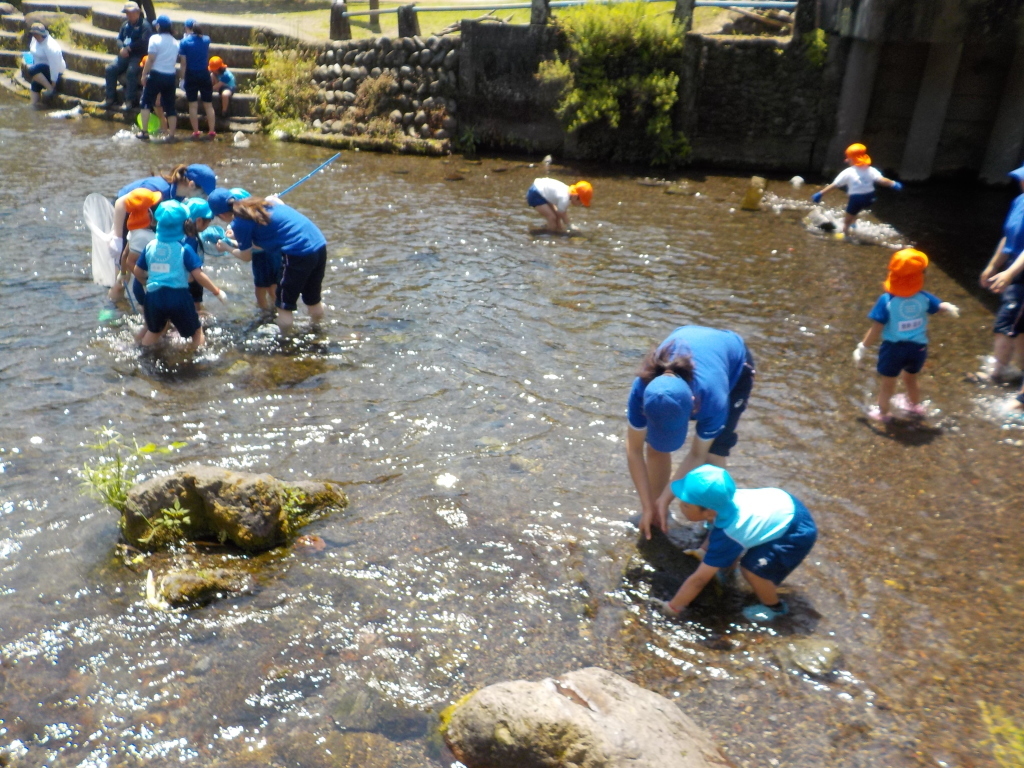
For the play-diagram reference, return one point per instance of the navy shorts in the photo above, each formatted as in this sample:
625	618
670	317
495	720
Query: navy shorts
195	290
302	275
198	85
897	356
1010	317
775	560
44	70
162	85
738	398
174	304
535	198
858	203
266	268
139	292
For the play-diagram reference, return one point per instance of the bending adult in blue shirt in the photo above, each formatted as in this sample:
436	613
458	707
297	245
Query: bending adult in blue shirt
132	44
697	373
274	226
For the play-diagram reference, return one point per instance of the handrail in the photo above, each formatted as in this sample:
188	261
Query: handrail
785	5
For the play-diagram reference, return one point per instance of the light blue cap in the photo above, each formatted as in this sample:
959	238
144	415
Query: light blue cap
170	219
198	208
710	487
668	403
239	194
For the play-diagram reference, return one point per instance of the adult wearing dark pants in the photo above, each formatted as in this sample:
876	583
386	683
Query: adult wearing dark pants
274	226
194	56
697	373
132	43
47	63
160	77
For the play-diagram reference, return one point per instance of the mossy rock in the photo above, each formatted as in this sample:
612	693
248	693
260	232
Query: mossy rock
190	588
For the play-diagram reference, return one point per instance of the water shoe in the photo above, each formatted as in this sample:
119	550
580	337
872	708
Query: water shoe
902	402
760	614
875	414
196	135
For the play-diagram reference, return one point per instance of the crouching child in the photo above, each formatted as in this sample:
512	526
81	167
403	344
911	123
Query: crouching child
164	268
768	530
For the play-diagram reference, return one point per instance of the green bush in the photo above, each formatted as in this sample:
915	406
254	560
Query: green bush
1005	737
284	86
617	84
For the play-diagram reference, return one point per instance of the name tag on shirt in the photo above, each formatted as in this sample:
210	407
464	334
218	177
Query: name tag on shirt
909	325
161	268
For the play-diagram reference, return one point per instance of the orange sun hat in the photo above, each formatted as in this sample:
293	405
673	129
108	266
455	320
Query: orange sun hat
138	203
584	191
906	273
216	64
857	154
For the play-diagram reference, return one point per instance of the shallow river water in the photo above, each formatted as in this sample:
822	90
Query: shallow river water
469	390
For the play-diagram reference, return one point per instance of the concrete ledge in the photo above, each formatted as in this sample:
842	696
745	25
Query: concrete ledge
403	146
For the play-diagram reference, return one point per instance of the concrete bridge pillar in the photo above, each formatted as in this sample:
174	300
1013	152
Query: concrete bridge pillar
1007	139
854	100
930	110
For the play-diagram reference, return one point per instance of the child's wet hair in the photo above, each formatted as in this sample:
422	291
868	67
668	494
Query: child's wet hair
661	361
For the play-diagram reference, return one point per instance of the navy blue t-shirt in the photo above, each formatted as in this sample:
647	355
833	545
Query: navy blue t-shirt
154	183
1013	231
287	231
196	50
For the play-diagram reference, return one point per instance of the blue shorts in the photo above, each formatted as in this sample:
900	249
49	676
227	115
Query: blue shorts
302	275
775	560
897	356
162	85
198	85
858	203
738	398
266	268
1010	317
139	292
44	70
174	304
535	198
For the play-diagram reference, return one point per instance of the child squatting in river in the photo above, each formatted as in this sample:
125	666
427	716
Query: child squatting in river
551	199
859	181
901	320
768	530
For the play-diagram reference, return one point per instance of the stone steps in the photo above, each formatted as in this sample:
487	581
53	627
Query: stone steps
79	86
10	60
92	38
81	9
12	41
95	63
12	22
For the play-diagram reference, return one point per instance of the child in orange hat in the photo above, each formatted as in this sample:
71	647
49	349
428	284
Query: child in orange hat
139	203
859	181
223	82
901	320
551	198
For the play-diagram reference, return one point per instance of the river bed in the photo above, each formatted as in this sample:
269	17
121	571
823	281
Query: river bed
469	391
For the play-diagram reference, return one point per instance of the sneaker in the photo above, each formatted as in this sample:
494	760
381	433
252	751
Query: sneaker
211	135
760	614
143	136
196	135
875	414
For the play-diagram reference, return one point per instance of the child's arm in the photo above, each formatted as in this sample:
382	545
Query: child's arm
893	185
997	260
691	588
816	197
949	309
201	278
872	336
140	274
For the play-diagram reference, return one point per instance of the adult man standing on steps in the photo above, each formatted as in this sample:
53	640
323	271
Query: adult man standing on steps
133	42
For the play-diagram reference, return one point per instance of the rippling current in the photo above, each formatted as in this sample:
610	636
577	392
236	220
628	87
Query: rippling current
469	391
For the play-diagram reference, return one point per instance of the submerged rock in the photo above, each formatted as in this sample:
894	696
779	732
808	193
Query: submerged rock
813	655
254	512
356	707
188	588
590	718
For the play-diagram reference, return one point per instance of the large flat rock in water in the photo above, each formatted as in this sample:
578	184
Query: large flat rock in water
590	718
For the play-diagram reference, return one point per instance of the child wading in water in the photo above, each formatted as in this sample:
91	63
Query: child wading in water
551	198
164	268
859	181
768	528
901	320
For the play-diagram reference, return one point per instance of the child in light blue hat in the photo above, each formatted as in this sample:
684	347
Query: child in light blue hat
768	530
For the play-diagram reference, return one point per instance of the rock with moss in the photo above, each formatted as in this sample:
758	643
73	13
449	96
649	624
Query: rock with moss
255	512
590	718
186	588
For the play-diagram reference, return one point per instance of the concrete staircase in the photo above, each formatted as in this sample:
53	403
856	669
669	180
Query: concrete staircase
91	44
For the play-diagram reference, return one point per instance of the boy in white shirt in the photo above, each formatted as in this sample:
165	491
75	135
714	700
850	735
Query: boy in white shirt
859	181
551	198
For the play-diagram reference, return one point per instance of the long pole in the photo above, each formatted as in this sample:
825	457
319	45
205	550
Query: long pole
309	175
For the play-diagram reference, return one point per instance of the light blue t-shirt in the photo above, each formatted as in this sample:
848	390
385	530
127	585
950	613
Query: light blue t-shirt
168	265
764	515
718	360
905	319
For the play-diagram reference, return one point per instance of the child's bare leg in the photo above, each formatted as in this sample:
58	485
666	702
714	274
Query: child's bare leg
886	389
550	217
765	590
211	118
316	312
150	338
848	222
198	339
264	298
193	115
913	390
225	99
285	319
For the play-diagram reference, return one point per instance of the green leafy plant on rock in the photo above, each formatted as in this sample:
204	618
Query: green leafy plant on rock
167	527
617	84
111	474
1005	736
284	87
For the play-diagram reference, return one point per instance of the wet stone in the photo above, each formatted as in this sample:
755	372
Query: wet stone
813	655
356	707
192	588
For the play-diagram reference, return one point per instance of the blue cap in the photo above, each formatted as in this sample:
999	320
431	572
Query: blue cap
220	200
189	23
239	194
170	218
164	22
198	208
710	487
203	176
668	403
1017	174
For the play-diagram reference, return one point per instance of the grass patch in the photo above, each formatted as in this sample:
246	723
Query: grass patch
284	86
1004	736
616	83
60	29
116	468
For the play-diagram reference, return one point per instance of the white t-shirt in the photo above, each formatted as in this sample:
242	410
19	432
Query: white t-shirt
858	179
49	53
555	192
163	52
138	239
